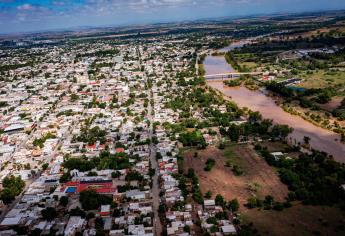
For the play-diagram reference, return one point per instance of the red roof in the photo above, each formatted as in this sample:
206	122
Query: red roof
91	146
120	150
99	187
105	213
85	93
94	147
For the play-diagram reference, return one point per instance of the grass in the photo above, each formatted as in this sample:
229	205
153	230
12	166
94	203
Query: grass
233	161
321	79
275	146
297	220
209	164
248	65
244	60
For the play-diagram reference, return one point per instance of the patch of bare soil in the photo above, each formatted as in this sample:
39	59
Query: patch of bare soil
259	179
298	220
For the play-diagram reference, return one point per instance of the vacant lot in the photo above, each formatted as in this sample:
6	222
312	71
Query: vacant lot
258	178
298	220
322	79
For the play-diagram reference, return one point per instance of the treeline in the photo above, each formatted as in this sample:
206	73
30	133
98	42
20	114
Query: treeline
219	43
334	58
233	82
230	59
189	179
314	179
192	139
101	53
204	100
321	96
299	43
256	127
14	66
105	160
198	97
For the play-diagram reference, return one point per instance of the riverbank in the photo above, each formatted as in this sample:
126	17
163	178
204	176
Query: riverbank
316	117
321	139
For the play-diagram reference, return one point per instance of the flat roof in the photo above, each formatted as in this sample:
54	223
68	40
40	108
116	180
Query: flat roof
11	220
229	229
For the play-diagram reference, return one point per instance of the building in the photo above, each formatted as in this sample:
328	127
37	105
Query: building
75	224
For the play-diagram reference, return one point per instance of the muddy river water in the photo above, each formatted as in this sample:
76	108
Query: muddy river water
321	139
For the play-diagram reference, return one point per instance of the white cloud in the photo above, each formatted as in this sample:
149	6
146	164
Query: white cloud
25	7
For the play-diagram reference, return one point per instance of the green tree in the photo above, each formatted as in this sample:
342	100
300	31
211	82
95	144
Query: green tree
219	200
74	97
208	194
91	200
12	187
49	213
45	166
64	201
234	205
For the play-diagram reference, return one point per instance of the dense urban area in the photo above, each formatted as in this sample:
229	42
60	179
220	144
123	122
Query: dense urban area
158	130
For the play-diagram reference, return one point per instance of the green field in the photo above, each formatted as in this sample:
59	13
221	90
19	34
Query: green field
322	79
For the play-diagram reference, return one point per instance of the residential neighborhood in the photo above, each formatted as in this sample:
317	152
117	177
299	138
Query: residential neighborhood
213	127
84	131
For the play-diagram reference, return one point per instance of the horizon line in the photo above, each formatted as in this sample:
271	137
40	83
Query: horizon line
103	26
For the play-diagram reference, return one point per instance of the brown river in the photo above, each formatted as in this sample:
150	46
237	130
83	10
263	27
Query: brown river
321	139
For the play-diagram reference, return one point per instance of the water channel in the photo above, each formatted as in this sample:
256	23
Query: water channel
321	139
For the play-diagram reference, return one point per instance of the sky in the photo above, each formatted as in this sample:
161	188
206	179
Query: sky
40	15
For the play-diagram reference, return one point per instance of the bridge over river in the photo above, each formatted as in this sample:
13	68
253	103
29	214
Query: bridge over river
227	76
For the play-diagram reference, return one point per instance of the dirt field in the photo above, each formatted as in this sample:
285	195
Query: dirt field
333	104
258	179
298	220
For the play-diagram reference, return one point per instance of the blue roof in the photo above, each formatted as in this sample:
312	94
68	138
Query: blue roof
71	189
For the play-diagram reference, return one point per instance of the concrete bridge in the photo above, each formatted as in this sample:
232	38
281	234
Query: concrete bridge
227	76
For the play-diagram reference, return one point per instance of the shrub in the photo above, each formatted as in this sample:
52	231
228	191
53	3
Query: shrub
209	164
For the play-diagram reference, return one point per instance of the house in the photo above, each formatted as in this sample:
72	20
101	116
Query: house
105	210
277	155
10	221
95	147
14	128
136	194
140	230
101	186
119	232
228	229
75	224
209	204
119	150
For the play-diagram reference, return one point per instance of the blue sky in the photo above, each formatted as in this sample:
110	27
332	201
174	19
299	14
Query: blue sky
37	15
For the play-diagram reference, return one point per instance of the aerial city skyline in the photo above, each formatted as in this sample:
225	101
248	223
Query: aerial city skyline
172	117
37	15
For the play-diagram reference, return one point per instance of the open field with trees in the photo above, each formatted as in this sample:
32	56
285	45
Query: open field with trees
297	220
238	173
